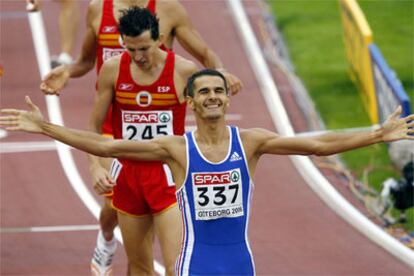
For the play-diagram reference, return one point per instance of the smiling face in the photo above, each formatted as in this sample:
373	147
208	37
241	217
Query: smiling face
210	99
142	49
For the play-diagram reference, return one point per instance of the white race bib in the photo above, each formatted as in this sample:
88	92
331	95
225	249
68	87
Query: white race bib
109	52
218	194
146	125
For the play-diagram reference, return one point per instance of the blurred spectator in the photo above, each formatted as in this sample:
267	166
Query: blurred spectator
68	26
399	193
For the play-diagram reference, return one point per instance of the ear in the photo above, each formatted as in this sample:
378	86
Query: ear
190	102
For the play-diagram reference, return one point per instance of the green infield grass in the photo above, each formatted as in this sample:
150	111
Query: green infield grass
314	37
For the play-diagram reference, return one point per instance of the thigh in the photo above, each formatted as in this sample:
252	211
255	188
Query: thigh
137	235
128	195
168	228
158	191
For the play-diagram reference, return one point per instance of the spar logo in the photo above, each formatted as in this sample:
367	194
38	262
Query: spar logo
140	118
109	29
216	178
164	117
143	98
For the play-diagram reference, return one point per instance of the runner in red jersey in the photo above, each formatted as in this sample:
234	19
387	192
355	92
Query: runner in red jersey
101	41
146	87
143	112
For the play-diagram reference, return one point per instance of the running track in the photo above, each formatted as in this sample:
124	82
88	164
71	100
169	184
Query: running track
291	230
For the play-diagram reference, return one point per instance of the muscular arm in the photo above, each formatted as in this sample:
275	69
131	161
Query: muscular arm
90	142
394	128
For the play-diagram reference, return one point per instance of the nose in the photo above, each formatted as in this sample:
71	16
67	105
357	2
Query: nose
212	94
137	55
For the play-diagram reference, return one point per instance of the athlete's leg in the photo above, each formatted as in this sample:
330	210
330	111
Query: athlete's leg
138	239
108	218
101	263
68	25
168	228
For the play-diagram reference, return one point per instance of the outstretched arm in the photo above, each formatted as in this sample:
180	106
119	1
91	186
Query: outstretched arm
93	143
393	129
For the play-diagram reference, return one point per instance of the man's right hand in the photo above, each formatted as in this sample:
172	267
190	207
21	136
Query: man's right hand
102	181
23	120
55	80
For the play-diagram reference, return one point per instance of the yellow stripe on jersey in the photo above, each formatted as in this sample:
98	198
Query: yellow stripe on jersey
108	36
109	43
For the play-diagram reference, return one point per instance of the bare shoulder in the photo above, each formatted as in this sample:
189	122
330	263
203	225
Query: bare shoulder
257	135
113	62
110	69
184	66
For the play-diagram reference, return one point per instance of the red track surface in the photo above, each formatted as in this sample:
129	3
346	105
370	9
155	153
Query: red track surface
291	229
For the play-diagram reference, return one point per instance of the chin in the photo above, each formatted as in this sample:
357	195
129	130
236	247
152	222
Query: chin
213	116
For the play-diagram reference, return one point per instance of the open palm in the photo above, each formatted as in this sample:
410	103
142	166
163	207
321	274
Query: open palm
16	119
396	128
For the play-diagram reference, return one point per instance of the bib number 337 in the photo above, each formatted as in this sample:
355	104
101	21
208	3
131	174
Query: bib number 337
218	195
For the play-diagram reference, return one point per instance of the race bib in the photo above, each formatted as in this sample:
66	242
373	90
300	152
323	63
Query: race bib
218	195
108	53
146	125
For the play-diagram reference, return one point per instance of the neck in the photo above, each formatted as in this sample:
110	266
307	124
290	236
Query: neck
211	131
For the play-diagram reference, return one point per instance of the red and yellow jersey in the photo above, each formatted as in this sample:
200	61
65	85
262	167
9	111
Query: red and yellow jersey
142	112
109	39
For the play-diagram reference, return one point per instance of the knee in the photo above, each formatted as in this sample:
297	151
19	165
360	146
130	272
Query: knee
140	268
170	270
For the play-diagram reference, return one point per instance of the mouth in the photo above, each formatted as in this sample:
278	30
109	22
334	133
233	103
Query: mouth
212	106
141	62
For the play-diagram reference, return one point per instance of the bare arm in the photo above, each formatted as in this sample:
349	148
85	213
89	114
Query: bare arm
101	179
59	76
393	129
194	44
93	143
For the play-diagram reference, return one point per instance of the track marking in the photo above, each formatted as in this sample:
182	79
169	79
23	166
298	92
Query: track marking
3	133
46	229
14	147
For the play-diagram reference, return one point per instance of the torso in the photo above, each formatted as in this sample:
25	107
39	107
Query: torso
215	204
148	108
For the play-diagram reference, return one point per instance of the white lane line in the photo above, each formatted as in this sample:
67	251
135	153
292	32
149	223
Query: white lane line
45	229
14	147
3	133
